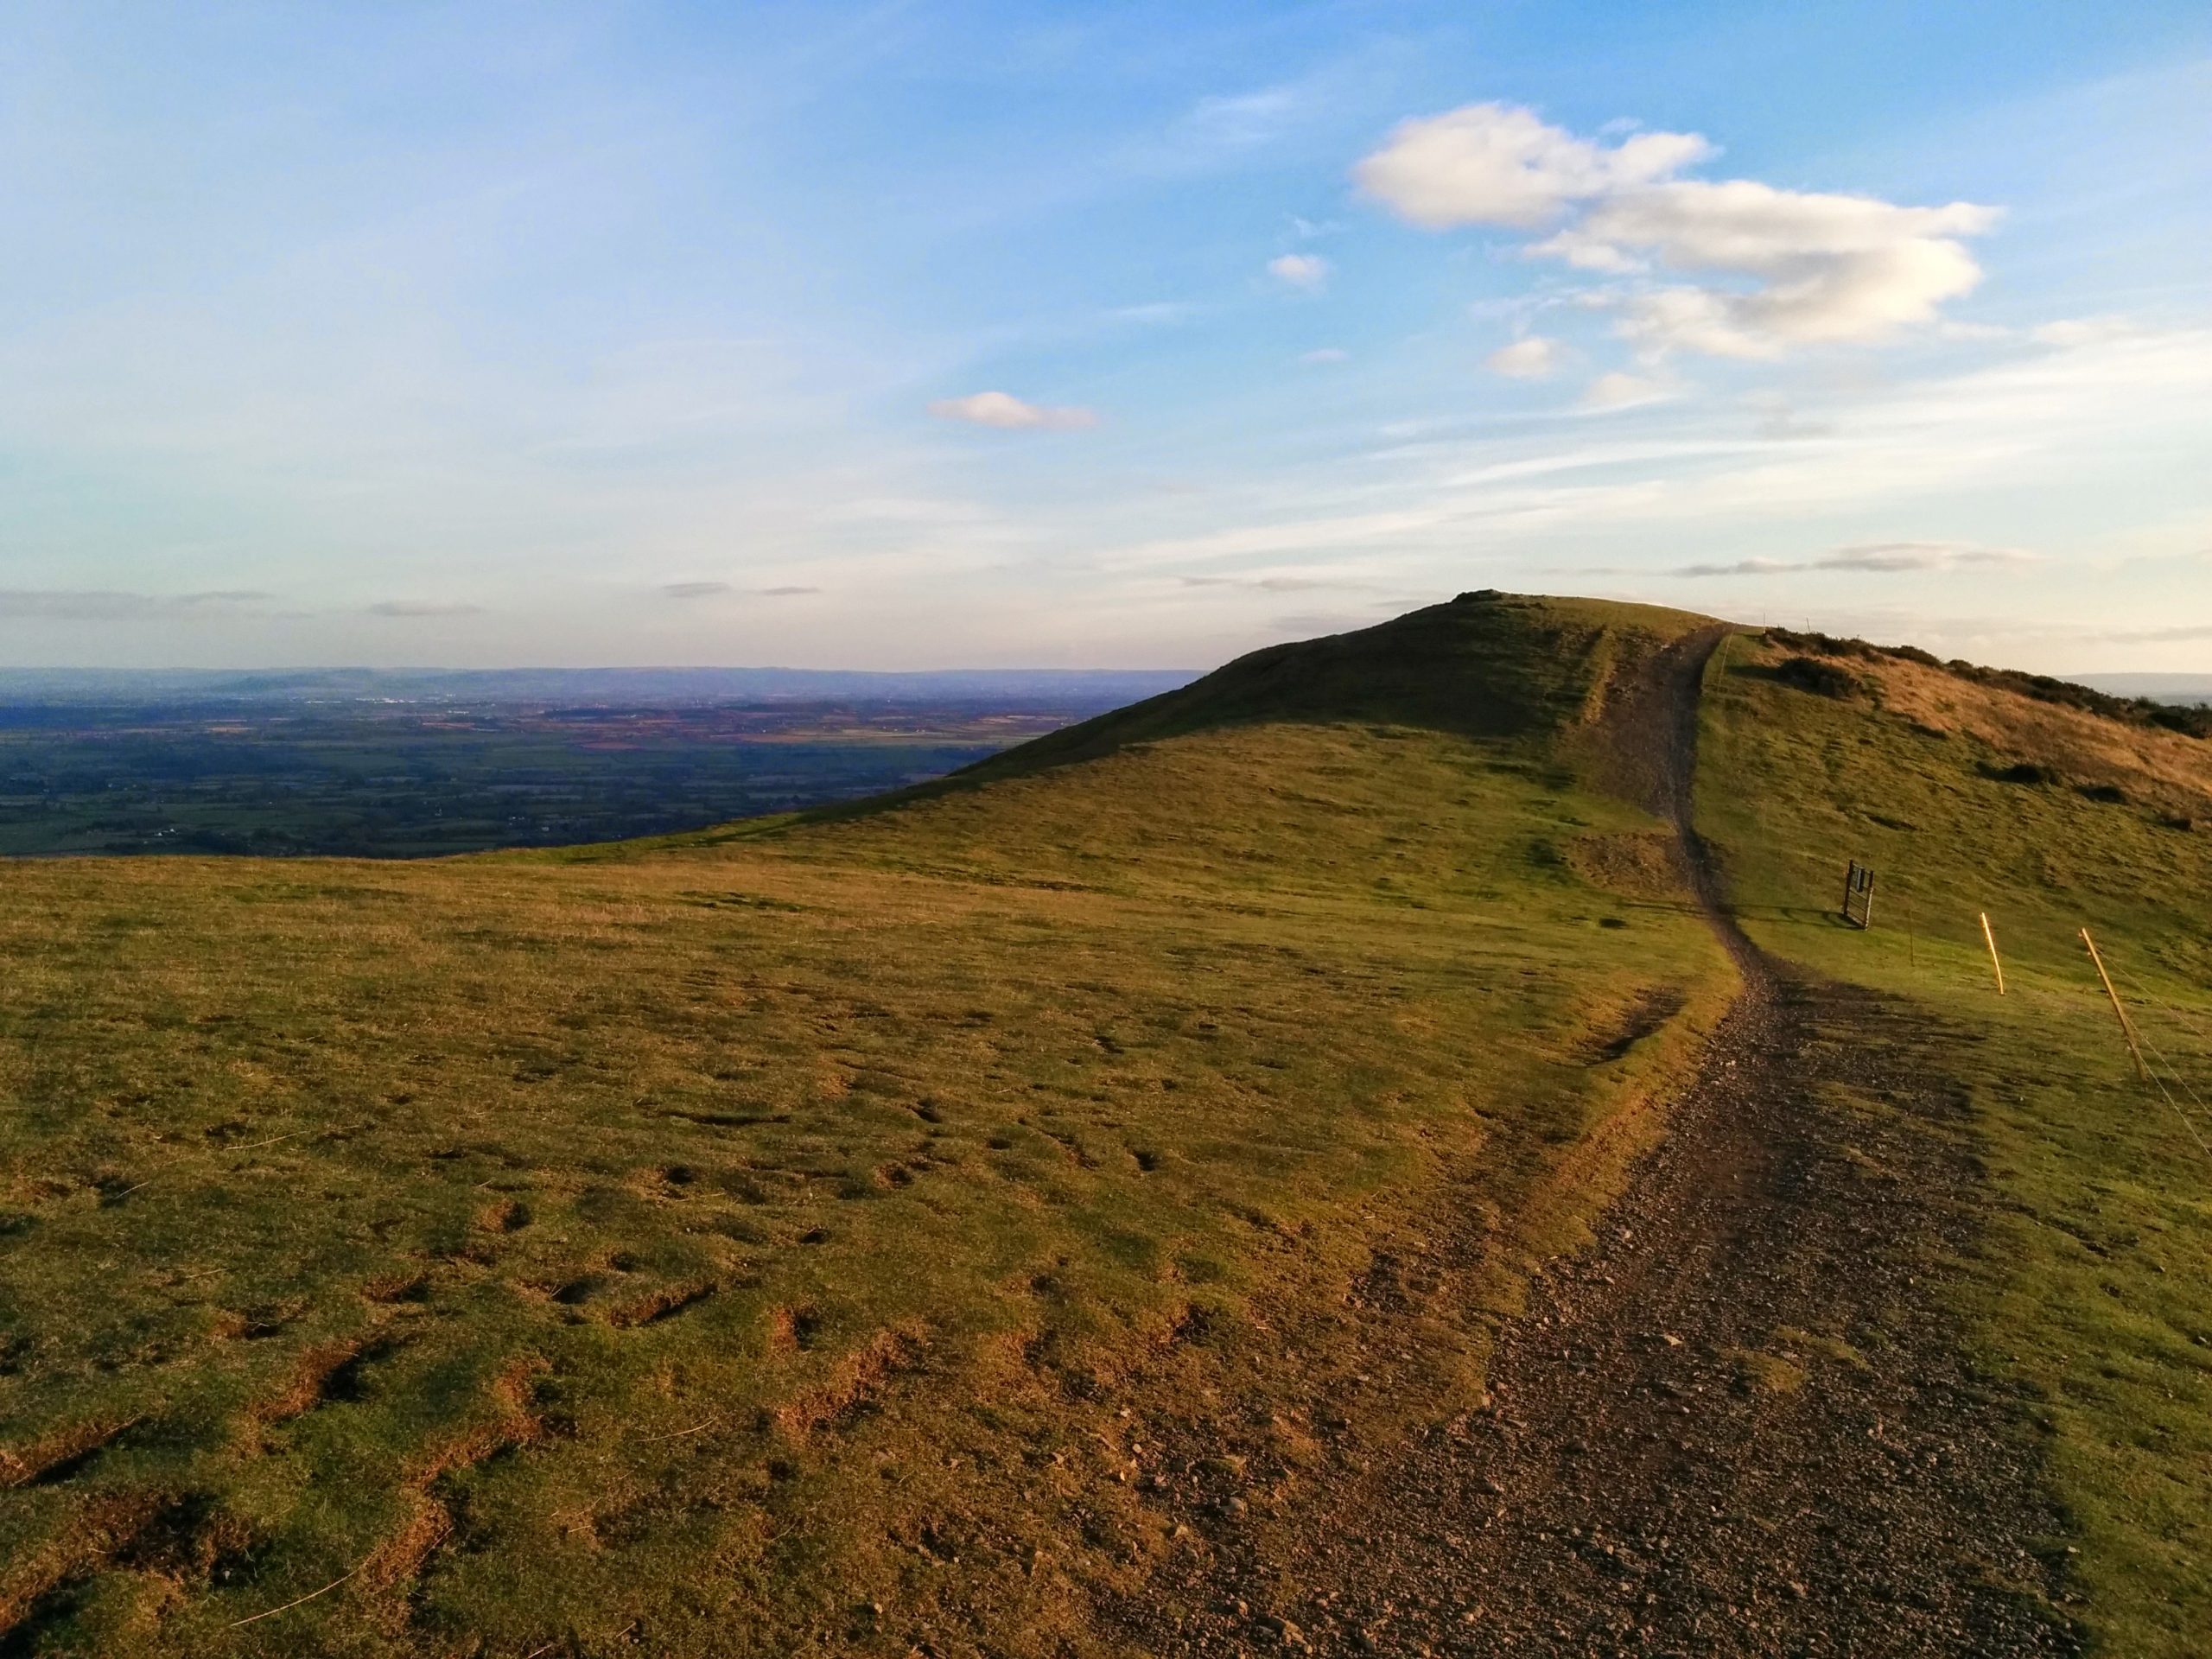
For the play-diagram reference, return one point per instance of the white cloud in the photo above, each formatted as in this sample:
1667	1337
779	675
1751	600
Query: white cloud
1325	354
1871	558
1532	358
1619	390
1008	413
2081	331
1501	164
1828	267
1307	271
413	608
1790	267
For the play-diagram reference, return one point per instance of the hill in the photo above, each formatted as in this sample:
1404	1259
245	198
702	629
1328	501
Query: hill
974	1221
714	1237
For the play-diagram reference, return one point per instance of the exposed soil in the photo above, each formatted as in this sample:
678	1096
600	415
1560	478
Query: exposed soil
1743	1422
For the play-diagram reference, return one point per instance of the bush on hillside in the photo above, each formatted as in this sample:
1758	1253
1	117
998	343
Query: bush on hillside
1821	679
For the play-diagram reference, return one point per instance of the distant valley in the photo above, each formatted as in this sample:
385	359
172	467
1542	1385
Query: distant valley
414	763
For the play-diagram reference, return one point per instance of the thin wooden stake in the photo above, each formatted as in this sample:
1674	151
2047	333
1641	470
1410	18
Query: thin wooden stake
1995	960
2126	1025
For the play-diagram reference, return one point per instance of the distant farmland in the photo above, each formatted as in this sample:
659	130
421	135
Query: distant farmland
279	775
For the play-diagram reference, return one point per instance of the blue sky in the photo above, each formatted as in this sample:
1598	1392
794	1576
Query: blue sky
914	335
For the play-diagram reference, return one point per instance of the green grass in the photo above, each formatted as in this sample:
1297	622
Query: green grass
764	1237
2092	1289
775	1237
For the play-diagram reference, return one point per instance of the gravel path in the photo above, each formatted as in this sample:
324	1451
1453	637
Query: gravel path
1743	1423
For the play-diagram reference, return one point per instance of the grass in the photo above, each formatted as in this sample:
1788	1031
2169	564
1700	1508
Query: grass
2091	1291
768	1237
778	1235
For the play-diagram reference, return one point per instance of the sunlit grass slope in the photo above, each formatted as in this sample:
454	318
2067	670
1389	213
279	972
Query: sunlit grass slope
773	1237
2096	1289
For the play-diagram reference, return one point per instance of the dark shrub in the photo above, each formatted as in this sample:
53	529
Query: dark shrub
1822	679
2023	772
2191	720
2112	794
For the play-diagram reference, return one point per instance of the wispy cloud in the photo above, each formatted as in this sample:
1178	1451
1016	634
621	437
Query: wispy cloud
1157	313
1011	413
1243	120
1619	390
1531	359
681	590
422	607
106	605
1870	558
1308	272
1270	584
2155	636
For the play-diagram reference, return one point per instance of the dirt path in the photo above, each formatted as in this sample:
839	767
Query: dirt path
1743	1423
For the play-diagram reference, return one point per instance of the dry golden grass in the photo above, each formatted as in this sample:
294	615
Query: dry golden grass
2164	767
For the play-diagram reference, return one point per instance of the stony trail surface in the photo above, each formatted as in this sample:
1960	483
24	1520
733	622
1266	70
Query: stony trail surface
1744	1421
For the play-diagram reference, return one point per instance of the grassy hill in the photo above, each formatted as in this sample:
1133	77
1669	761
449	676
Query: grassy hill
769	1236
781	1237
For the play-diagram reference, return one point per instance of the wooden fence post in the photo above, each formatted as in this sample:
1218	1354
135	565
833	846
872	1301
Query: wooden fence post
2126	1025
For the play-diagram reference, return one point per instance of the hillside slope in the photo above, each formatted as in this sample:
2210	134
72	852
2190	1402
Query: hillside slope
1083	1206
2087	1285
782	1236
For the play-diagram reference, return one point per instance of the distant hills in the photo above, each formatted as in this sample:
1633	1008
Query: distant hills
632	687
2160	688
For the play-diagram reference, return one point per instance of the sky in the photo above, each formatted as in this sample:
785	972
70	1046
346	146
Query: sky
924	335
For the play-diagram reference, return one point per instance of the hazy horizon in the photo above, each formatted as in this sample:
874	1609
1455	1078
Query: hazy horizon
885	337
